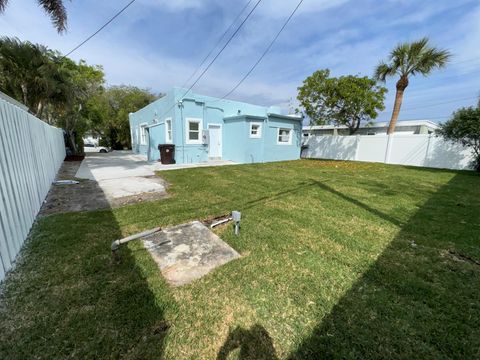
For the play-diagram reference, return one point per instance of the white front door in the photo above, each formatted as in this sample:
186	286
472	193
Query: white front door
215	141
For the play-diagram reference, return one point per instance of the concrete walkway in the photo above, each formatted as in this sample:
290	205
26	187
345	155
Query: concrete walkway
161	167
120	174
114	165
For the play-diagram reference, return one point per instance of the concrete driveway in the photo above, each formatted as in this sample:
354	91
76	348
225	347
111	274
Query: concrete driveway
120	174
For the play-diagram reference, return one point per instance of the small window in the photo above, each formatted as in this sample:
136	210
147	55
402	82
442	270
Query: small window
88	145
194	128
284	136
143	134
371	132
168	131
255	130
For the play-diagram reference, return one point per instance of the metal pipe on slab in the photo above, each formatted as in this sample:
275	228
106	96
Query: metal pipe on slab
116	244
220	222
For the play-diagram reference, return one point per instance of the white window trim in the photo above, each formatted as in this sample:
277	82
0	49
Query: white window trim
144	126
200	130
167	140
259	132
289	136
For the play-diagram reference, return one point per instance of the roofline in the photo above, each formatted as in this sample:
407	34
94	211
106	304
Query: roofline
381	124
286	117
244	116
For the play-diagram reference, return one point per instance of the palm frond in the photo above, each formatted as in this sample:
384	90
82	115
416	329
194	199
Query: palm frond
416	57
384	70
3	5
56	10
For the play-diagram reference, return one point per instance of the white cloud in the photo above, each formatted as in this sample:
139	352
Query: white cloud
323	34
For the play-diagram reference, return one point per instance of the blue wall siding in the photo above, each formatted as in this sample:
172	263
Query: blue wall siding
279	152
255	147
154	113
234	117
233	140
157	136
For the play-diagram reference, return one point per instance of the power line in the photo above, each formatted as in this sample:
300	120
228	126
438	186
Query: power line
265	52
100	29
223	47
432	118
216	56
217	43
434	104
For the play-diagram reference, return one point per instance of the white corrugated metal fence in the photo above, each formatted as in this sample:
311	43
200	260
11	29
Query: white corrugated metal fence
31	152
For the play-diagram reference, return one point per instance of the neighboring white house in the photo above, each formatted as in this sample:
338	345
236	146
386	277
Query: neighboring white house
92	138
378	128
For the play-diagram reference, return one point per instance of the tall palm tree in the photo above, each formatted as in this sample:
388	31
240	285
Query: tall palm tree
409	59
55	8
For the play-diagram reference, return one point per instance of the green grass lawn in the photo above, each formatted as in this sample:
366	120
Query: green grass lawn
339	260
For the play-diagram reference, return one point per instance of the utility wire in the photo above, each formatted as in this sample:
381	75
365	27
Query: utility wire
216	56
217	43
434	104
223	47
100	29
265	52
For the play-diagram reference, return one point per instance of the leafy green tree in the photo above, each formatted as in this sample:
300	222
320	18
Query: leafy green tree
108	111
464	126
24	71
406	60
54	8
79	82
53	87
347	100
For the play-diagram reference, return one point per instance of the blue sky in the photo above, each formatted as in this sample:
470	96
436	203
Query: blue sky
158	43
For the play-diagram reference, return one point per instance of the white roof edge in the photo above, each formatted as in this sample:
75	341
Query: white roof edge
400	123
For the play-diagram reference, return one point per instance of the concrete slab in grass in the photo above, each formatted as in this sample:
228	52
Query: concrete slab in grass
187	252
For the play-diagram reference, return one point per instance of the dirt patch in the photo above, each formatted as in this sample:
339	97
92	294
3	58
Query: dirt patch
86	195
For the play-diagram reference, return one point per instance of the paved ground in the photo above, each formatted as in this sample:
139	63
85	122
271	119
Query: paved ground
160	167
187	252
87	195
109	180
120	174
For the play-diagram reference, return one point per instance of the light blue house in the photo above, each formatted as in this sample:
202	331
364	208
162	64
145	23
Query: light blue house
204	128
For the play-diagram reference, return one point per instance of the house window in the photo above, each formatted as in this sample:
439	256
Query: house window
168	131
255	130
370	132
284	136
143	134
194	128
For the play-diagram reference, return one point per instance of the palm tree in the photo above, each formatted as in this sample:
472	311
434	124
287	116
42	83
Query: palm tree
409	59
22	70
55	8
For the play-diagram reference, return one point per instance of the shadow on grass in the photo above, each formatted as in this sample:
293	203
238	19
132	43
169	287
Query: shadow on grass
420	297
357	203
254	343
68	298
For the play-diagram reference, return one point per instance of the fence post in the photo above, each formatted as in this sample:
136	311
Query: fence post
428	150
388	149
357	147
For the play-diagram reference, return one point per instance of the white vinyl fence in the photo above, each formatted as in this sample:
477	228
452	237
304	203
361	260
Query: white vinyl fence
414	150
31	152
